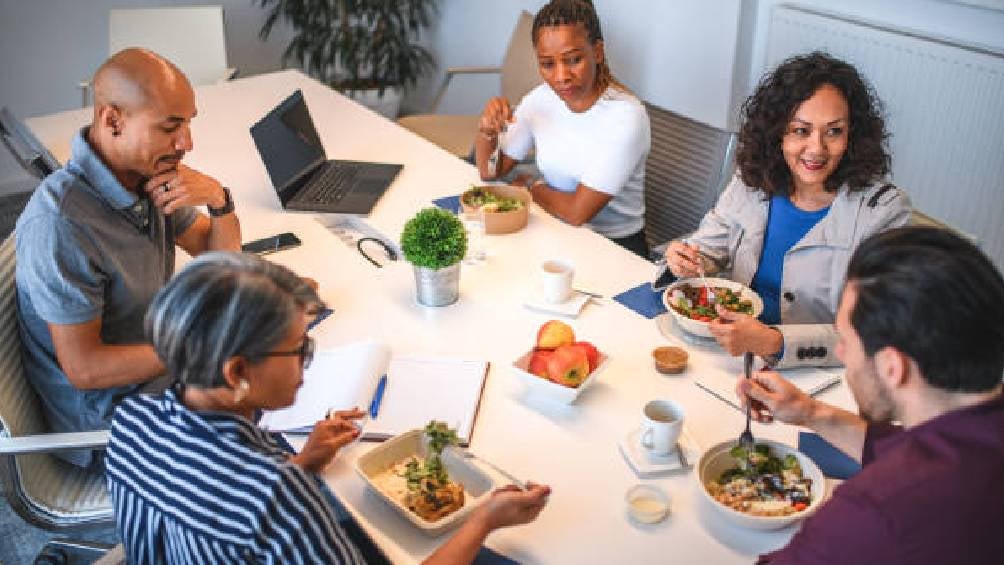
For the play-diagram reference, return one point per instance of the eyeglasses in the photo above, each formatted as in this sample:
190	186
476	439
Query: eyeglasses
305	352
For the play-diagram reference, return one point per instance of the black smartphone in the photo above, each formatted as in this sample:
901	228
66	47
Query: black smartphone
663	277
271	244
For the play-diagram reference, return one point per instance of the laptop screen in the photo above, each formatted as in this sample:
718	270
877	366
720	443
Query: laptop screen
288	143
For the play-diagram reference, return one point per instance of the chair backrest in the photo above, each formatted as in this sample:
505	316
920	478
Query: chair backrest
44	490
191	37
688	166
519	66
20	411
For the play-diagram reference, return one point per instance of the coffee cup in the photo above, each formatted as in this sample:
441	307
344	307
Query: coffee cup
661	424
556	277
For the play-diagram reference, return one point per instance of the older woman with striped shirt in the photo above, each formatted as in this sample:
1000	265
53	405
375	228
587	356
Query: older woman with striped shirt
194	480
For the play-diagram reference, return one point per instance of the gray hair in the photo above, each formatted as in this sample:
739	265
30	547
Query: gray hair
221	305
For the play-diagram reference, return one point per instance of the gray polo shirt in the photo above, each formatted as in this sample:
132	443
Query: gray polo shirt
87	248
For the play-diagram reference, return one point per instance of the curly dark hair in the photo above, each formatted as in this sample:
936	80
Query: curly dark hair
766	114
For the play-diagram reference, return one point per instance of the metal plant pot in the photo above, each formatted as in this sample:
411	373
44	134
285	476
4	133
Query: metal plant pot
437	287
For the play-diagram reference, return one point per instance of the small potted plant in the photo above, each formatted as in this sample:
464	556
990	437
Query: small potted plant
434	242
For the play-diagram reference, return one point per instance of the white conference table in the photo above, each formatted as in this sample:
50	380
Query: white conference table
573	448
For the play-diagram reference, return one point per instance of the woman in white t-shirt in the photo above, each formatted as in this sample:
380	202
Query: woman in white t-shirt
590	134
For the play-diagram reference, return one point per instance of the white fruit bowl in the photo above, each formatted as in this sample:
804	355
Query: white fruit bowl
545	387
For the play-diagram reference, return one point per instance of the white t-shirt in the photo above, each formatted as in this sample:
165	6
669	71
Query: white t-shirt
603	148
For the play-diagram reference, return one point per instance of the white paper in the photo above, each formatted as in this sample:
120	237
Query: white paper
420	389
337	379
810	379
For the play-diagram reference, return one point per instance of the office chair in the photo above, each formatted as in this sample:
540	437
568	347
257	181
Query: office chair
688	166
191	37
45	491
518	75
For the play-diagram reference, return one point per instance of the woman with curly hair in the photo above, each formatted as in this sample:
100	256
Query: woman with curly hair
590	134
811	159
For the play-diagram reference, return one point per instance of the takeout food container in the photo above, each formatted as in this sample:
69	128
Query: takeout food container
697	327
546	387
716	460
499	223
477	485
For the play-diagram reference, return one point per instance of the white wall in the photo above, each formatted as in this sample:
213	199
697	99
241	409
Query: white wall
48	46
679	54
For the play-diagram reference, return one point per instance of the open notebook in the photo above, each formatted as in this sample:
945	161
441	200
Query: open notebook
418	389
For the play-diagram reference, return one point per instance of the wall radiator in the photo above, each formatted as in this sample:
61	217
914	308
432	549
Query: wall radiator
944	106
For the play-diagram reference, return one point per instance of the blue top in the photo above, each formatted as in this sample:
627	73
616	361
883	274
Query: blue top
786	226
87	248
212	487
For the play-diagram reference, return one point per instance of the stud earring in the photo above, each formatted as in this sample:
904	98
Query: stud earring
242	391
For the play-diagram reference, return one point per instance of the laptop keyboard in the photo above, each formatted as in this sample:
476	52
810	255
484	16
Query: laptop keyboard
331	184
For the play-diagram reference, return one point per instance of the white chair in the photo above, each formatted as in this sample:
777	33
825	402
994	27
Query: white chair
191	37
518	75
44	490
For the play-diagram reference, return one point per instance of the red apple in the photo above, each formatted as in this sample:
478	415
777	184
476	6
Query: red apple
592	353
554	334
538	362
568	366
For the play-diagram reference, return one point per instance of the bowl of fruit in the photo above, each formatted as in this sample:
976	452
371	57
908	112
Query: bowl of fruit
691	303
558	366
505	208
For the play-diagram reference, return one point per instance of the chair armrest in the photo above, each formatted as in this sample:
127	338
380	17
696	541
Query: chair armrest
450	72
472	70
50	443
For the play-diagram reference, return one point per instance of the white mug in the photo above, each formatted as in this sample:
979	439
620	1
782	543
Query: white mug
661	424
556	276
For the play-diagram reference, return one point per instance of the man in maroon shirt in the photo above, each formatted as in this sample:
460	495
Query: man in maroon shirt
921	333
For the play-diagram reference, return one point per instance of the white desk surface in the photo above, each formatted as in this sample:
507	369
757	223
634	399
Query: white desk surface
572	448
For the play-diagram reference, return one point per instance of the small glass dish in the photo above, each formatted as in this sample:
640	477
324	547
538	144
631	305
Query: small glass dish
647	504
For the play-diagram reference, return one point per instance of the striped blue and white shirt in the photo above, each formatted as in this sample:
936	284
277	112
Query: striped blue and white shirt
212	487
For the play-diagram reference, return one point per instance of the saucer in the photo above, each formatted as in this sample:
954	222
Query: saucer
569	308
645	464
672	331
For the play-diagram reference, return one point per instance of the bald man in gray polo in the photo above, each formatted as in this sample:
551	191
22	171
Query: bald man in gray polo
97	241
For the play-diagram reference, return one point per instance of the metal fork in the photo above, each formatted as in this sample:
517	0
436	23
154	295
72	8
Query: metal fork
460	452
746	438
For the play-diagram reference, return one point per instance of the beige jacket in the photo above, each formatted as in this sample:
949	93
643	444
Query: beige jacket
732	235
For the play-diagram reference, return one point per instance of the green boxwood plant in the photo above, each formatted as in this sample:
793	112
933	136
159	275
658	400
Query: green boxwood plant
434	239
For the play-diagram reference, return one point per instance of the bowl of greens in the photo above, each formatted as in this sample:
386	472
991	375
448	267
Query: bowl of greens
506	208
764	487
689	302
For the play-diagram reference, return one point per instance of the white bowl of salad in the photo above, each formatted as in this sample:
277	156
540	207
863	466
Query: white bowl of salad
768	487
687	300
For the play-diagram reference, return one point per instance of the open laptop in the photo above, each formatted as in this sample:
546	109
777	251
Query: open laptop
303	175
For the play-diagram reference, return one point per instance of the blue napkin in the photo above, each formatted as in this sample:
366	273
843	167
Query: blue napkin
488	557
643	300
451	203
832	462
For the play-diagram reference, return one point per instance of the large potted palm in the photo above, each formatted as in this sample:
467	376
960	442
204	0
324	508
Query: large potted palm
364	48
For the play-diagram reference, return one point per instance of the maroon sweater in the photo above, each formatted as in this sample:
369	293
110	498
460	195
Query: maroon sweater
931	494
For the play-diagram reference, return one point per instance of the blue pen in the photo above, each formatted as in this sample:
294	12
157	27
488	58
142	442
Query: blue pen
378	397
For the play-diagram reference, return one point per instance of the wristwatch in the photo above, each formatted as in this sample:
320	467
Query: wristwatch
227	207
